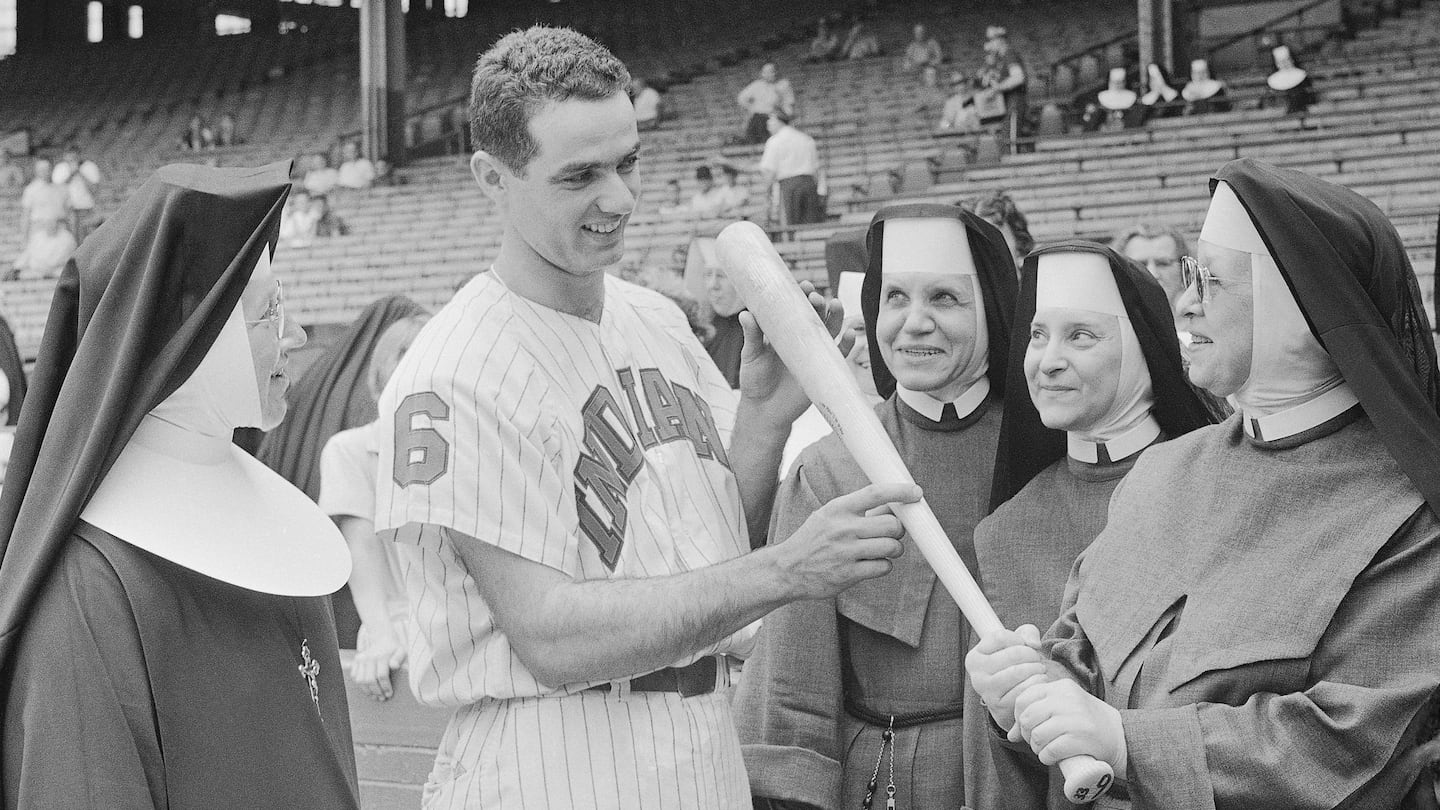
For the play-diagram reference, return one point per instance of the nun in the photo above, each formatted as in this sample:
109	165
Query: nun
1258	624
1122	106
166	638
1095	345
1290	84
856	701
1204	93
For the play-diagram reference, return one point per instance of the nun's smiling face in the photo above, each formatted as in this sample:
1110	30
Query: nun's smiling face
272	337
1222	326
926	329
1072	366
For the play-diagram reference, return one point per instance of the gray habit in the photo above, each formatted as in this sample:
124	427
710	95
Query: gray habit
1266	616
1027	549
893	645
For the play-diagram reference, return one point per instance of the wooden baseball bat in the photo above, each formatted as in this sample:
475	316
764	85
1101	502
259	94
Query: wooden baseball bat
802	341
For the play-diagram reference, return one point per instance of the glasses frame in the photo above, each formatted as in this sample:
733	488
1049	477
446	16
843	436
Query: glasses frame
1191	272
275	313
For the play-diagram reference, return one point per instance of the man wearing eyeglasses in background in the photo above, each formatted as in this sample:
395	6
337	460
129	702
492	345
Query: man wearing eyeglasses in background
1159	248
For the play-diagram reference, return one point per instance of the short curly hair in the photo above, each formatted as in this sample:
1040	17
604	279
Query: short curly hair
524	70
998	208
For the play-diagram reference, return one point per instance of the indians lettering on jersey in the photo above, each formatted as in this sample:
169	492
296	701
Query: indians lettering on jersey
615	448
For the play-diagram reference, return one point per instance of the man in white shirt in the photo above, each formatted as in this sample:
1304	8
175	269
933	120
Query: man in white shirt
760	98
792	160
79	177
355	171
647	104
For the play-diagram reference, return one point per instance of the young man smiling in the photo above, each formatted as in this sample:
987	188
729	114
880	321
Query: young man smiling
570	481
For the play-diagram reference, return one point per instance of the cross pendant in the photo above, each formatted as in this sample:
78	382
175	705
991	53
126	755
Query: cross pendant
310	670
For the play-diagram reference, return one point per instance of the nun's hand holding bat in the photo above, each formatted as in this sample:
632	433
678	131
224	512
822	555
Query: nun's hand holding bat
1061	720
1001	666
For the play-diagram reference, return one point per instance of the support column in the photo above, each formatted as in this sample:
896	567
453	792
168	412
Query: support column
1167	34
382	80
1145	30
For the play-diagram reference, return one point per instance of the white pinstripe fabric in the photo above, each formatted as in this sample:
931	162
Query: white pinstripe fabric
600	753
514	379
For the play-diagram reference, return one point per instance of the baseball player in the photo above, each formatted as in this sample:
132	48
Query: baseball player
572	483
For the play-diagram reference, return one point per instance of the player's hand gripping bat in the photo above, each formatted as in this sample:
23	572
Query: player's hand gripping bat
802	341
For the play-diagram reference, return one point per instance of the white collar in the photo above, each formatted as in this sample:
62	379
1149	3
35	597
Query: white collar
1286	78
1201	90
1123	446
1302	417
204	504
1117	99
933	409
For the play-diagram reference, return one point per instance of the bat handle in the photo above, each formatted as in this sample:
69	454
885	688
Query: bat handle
1086	778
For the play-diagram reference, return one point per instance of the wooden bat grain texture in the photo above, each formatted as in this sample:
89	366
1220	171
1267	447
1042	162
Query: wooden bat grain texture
800	339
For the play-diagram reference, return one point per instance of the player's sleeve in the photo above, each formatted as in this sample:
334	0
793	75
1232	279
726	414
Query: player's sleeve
474	449
346	486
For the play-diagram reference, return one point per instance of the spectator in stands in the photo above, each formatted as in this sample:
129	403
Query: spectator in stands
733	194
1204	93
43	200
11	176
349	466
647	104
297	222
320	178
1159	248
673	204
49	246
960	114
767	94
706	202
825	47
1004	75
1290	82
1160	99
326	222
792	160
225	134
356	171
922	51
80	177
932	94
1122	105
198	135
999	210
861	42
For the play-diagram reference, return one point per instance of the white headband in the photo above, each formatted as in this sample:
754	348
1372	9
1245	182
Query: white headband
1228	224
926	245
1077	280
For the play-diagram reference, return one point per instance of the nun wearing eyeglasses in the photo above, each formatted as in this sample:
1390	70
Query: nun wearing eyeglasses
1258	624
856	700
166	637
1095	345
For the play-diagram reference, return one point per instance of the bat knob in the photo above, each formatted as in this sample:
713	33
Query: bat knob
1086	778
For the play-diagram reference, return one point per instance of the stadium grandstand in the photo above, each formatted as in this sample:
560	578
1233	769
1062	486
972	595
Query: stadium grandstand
135	84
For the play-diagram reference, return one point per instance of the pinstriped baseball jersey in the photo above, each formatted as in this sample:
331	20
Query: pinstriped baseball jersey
595	449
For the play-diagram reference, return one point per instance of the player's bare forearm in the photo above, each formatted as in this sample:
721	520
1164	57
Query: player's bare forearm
755	452
569	631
